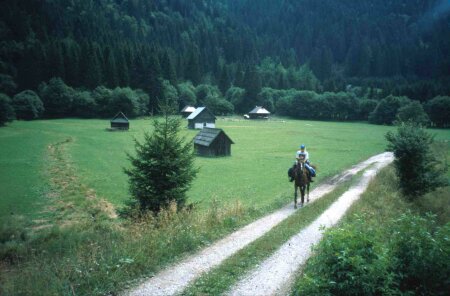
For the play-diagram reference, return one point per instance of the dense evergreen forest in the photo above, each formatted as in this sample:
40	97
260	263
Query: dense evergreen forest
230	55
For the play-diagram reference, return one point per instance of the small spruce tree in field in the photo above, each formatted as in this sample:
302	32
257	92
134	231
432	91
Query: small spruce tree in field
418	169
163	169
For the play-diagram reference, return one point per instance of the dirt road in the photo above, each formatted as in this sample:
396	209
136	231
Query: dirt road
176	278
275	275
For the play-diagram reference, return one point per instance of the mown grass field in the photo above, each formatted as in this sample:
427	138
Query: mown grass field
49	170
255	174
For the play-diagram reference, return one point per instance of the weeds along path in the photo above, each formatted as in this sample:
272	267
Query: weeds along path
70	200
275	275
175	279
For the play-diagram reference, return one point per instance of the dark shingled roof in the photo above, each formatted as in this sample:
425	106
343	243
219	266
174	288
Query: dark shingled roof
119	118
207	135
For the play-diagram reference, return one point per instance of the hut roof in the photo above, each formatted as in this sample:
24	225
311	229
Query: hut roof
207	135
259	110
198	111
119	118
188	109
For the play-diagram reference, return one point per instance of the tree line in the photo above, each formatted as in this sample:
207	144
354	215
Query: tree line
395	46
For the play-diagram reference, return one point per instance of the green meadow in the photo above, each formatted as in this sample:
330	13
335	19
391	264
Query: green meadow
255	174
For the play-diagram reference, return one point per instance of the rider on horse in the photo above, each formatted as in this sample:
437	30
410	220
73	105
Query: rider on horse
303	154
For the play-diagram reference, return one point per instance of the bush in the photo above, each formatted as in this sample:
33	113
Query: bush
366	106
186	93
414	113
84	105
28	105
421	255
102	97
439	111
417	167
127	101
6	110
235	95
162	169
387	109
57	98
348	261
218	105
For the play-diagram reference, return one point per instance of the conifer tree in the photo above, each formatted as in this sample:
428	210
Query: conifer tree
163	168
168	69
224	80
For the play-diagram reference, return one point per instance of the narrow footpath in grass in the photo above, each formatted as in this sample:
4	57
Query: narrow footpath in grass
275	275
175	279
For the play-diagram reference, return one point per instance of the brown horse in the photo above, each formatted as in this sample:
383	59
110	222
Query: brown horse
301	180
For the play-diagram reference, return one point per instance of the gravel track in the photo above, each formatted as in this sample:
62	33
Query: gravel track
176	278
275	275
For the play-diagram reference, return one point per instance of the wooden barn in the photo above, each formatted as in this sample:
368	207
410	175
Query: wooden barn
120	122
186	111
201	118
212	142
259	113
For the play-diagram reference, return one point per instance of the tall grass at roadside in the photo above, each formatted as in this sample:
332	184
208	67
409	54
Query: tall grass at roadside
103	256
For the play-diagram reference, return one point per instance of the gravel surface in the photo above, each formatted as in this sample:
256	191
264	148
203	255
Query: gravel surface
275	275
176	278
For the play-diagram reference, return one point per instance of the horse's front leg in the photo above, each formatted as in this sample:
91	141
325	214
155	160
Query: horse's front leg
302	192
295	197
307	193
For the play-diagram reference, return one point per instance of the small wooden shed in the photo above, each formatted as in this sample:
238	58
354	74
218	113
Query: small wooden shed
259	113
186	111
201	118
212	142
120	122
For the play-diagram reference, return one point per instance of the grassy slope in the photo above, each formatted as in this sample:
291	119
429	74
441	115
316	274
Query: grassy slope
255	174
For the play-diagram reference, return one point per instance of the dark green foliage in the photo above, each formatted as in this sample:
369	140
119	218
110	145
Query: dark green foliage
236	95
218	105
280	45
366	106
420	255
7	84
252	86
162	169
349	261
418	169
84	105
6	110
439	111
186	93
57	98
102	97
409	257
413	113
27	105
387	109
127	101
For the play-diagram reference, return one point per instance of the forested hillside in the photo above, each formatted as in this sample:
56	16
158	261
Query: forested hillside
398	47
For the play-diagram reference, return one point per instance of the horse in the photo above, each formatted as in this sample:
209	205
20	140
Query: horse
301	180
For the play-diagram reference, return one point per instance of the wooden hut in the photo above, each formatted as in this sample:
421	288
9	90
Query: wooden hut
120	122
201	118
259	113
186	111
212	142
